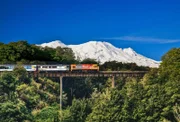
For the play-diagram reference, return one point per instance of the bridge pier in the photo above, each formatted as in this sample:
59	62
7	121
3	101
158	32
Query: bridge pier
61	93
113	82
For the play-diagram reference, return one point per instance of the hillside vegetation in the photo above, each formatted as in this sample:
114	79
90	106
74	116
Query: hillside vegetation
154	98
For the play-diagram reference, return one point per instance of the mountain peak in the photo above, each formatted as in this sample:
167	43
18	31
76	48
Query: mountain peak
53	44
99	44
130	51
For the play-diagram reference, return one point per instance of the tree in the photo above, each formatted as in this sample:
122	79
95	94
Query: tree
170	66
116	66
8	85
48	114
89	61
22	50
68	56
21	74
176	112
107	107
13	112
79	110
11	107
169	72
64	55
29	95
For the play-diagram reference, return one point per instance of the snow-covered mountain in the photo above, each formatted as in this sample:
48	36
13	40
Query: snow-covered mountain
104	51
53	44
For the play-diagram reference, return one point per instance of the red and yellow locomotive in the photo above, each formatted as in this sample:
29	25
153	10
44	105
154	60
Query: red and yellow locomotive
84	67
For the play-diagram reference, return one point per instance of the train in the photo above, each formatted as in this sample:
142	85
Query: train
54	67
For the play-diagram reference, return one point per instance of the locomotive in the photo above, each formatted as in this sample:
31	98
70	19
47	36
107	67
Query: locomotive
54	67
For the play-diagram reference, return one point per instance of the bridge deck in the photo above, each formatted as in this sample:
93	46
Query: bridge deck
93	74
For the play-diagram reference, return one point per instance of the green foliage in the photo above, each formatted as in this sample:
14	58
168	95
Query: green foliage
136	101
15	51
7	86
19	99
106	108
79	110
82	87
13	112
64	55
170	66
21	74
176	111
26	53
29	95
48	114
117	66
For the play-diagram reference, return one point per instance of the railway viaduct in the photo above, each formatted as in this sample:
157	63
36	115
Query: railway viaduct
111	74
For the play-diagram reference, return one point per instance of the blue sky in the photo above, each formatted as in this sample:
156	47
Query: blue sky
150	27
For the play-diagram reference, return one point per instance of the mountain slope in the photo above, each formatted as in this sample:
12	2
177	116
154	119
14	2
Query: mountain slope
104	51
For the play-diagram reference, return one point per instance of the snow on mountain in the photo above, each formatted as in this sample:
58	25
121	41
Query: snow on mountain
104	51
53	44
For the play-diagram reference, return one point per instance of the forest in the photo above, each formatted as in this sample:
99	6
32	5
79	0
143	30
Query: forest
153	98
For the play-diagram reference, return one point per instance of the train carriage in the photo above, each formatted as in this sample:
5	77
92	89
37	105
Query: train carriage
30	67
10	67
59	67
